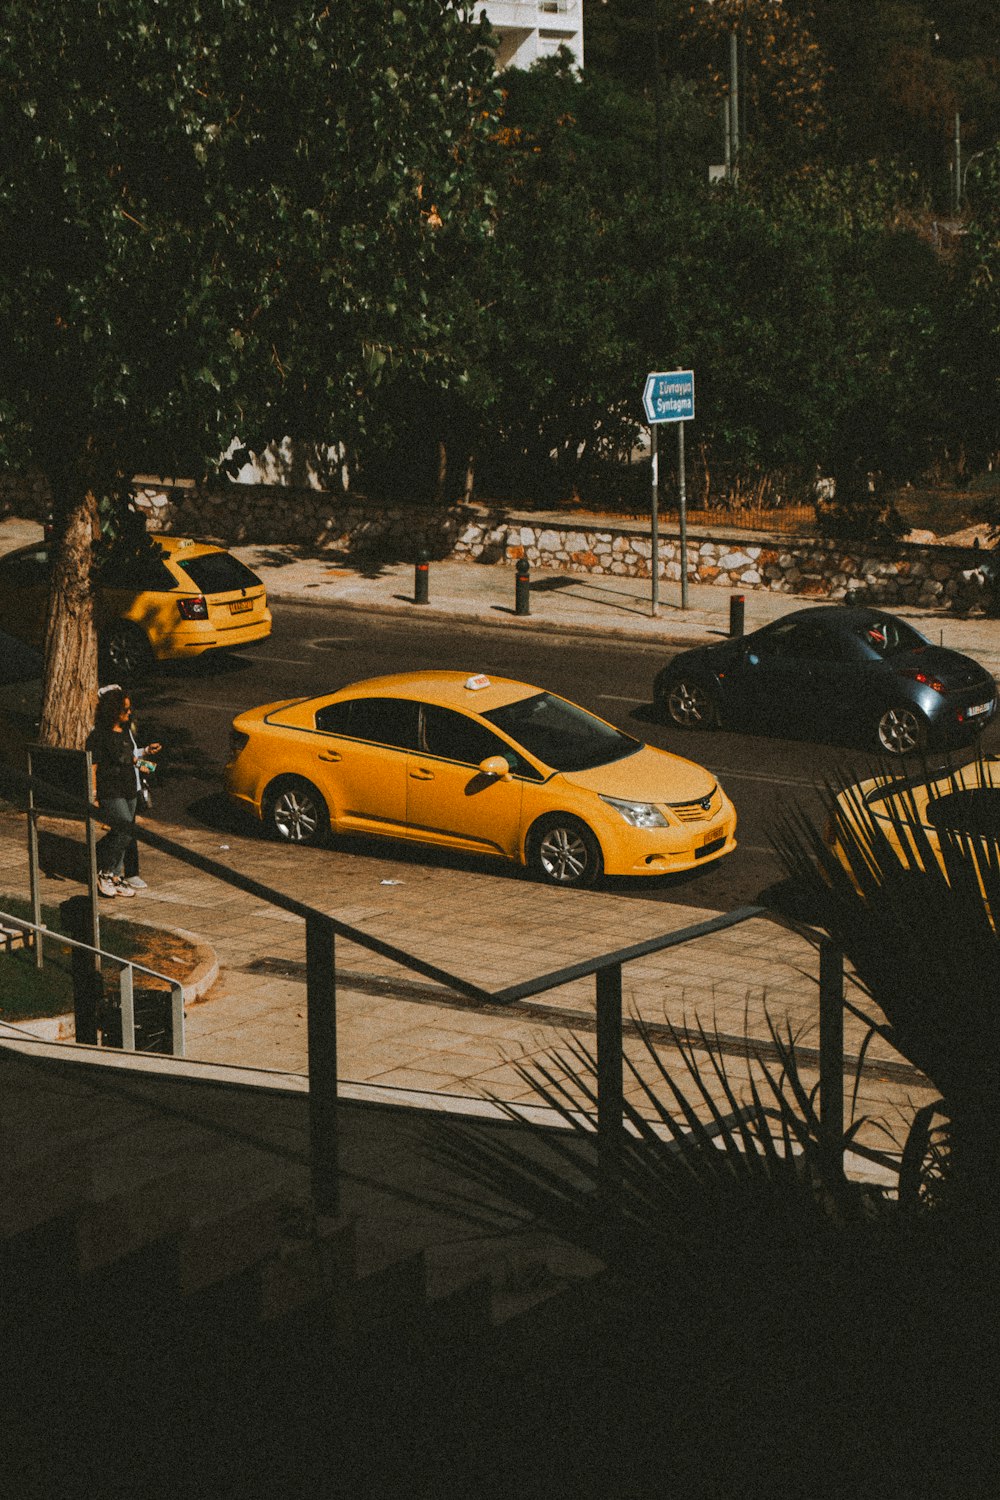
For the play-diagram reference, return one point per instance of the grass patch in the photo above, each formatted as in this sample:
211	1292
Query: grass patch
27	992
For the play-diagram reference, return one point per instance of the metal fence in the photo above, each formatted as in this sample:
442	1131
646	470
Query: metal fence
126	979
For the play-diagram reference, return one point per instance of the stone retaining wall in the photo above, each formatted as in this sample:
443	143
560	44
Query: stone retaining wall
899	574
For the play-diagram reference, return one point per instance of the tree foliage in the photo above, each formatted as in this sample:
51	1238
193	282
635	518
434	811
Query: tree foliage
219	220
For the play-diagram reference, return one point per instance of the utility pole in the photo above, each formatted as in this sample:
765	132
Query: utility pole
661	155
957	168
734	106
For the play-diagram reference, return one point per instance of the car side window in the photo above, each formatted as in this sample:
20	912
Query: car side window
784	639
802	640
143	573
380	721
453	736
821	645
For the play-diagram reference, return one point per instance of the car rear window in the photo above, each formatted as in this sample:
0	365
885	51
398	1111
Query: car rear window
217	573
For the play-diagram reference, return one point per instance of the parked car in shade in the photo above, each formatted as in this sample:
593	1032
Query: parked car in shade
832	670
478	763
948	814
177	599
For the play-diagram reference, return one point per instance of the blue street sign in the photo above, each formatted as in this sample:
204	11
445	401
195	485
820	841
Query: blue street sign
668	396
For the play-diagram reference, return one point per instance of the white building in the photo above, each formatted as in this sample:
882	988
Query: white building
531	29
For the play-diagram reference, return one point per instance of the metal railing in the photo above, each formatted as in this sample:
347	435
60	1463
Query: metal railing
126	987
323	930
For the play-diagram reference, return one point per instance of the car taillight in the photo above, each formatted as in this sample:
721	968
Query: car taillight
915	675
193	609
237	741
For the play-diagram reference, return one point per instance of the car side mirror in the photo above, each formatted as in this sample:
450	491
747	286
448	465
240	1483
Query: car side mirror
496	766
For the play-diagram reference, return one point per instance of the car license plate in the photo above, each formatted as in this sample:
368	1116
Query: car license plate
709	845
239	605
978	708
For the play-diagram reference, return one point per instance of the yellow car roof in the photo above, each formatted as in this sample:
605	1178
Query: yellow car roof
473	692
180	547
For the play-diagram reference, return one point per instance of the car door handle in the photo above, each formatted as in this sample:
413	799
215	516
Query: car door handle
330	755
422	774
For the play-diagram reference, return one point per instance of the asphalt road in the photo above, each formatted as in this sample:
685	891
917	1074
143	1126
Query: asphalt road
315	649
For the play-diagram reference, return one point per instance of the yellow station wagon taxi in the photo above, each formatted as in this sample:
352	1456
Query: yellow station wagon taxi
179	599
478	763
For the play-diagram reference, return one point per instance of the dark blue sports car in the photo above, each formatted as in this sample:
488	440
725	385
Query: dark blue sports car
832	670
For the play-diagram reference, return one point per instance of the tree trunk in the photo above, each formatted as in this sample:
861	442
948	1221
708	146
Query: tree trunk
70	694
442	472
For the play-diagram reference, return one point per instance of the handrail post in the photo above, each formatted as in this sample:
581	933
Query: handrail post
126	991
610	1088
321	1027
831	1053
177	1020
33	872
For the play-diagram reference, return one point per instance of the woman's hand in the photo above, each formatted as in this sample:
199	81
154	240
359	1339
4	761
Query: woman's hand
154	747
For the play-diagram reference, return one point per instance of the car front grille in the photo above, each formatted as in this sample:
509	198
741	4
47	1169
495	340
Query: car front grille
697	812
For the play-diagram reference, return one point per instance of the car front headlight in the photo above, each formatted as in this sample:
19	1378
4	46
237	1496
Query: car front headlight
638	814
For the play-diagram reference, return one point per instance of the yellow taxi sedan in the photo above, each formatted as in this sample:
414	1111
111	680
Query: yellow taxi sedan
176	599
477	763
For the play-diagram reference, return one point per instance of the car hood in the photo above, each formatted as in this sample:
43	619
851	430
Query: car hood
648	776
955	670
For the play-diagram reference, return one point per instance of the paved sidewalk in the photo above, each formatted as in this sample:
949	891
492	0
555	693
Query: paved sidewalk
573	603
404	1039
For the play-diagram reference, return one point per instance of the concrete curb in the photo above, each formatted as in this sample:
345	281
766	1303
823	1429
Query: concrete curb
693	635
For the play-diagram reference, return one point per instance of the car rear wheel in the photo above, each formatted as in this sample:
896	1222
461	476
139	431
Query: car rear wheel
563	851
901	731
690	704
126	653
294	811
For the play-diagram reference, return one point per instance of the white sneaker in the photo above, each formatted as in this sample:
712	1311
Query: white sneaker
136	882
106	885
122	887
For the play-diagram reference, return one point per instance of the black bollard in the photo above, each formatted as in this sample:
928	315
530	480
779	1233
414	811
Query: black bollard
736	602
522	587
421	578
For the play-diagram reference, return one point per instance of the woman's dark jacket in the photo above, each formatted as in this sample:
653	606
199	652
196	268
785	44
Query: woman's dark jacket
112	754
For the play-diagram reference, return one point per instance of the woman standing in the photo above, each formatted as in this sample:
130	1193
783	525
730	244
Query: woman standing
116	786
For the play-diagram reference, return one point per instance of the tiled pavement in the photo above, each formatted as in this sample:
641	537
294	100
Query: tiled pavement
405	1038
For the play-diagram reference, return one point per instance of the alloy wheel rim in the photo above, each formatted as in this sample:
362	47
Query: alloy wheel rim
563	855
295	817
687	703
899	731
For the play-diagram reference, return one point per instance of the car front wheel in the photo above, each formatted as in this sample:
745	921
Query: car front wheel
901	731
564	852
690	705
294	811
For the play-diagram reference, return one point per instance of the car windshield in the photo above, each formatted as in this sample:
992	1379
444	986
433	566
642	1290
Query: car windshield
217	573
889	636
562	735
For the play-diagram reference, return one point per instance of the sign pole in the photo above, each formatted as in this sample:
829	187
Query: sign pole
682	497
655	535
668	396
